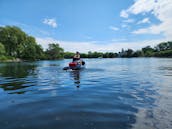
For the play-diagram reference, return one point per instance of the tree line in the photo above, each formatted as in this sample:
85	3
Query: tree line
163	49
15	43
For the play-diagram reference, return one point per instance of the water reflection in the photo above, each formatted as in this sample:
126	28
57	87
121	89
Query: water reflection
13	86
119	94
75	74
16	70
13	76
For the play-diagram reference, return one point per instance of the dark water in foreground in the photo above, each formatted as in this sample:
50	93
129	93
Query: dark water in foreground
108	94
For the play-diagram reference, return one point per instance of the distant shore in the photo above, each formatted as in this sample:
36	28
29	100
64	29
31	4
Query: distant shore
21	60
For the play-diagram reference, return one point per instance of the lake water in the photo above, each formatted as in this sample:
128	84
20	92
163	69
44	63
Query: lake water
119	93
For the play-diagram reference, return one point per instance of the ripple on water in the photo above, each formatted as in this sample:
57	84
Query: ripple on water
108	94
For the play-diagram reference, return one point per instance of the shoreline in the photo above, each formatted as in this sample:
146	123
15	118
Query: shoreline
12	60
21	60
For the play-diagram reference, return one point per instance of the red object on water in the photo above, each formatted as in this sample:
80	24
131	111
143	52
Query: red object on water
72	64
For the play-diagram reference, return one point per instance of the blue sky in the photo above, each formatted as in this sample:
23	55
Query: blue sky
96	25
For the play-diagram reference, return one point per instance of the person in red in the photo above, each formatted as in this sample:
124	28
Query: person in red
76	63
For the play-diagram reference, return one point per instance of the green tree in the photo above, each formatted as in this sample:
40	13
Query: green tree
2	49
68	55
84	55
129	53
148	51
54	51
12	38
18	44
126	53
138	53
89	54
164	46
166	53
29	52
95	54
39	52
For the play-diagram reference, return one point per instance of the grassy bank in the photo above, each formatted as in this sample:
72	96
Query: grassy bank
9	59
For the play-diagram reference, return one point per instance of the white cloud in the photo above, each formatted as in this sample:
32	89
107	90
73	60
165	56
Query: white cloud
113	28
51	22
110	46
45	41
161	9
141	6
145	20
124	14
151	30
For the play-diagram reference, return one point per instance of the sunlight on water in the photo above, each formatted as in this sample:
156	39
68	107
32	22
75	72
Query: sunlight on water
107	94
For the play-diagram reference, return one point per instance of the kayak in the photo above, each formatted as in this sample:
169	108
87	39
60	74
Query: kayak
75	65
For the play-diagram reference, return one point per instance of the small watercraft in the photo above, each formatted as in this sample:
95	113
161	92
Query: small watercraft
75	65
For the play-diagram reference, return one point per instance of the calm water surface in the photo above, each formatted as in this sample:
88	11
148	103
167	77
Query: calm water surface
108	94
